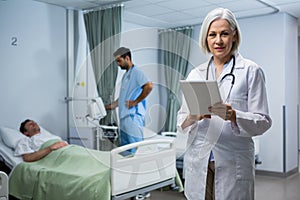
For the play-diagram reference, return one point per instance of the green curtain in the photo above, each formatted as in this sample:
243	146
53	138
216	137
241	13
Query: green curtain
174	53
103	28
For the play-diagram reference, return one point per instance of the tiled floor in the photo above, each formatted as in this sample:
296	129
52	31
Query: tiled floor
276	188
266	187
166	195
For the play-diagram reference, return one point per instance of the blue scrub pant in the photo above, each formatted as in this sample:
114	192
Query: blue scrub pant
131	129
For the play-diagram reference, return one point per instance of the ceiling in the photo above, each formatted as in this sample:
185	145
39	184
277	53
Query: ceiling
175	13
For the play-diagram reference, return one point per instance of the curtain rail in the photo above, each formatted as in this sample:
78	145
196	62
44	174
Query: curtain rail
103	7
176	28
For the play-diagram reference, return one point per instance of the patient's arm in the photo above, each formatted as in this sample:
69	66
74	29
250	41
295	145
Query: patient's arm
31	157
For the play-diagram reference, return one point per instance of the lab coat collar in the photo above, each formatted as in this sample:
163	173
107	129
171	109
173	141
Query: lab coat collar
238	58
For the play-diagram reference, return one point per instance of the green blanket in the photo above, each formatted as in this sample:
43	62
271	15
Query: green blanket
72	172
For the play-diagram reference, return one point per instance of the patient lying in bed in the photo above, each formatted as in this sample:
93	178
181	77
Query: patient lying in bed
75	172
29	147
68	172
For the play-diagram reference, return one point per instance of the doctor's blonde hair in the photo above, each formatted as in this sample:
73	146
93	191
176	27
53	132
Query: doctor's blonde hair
219	13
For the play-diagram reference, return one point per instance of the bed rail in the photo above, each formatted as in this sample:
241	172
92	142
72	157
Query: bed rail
153	163
3	186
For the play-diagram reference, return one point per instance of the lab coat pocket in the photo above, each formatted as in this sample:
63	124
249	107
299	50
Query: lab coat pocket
244	175
244	165
194	158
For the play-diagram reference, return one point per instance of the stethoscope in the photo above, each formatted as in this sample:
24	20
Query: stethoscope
226	75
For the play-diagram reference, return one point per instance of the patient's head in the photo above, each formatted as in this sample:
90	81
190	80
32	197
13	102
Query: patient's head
29	128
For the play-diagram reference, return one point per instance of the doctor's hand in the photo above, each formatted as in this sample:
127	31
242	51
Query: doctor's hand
224	111
191	119
194	118
131	103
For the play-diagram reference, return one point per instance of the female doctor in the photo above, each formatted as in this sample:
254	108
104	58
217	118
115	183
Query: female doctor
219	161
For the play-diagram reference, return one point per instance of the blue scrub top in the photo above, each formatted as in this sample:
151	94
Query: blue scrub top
131	88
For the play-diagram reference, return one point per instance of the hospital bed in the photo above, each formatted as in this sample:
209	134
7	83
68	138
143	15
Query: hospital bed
179	140
3	186
152	167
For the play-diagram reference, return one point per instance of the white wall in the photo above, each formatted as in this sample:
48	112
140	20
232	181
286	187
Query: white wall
291	92
33	73
272	42
298	92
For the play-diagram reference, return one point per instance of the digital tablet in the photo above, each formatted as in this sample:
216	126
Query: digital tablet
200	95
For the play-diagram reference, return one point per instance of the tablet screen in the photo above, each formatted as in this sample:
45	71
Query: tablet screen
200	95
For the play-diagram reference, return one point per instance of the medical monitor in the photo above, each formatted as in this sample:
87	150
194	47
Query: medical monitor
96	109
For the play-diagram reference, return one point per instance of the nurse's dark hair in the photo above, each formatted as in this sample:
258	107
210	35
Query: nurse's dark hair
219	13
22	126
123	52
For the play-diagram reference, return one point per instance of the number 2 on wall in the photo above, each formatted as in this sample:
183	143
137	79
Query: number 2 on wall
14	41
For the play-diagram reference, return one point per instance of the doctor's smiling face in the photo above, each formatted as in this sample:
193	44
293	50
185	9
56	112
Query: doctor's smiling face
220	39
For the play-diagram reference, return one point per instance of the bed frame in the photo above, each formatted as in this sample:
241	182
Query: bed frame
3	186
152	167
4	167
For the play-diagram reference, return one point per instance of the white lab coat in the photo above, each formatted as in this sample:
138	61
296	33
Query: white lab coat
232	145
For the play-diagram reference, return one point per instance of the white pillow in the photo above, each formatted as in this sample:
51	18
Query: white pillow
10	136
